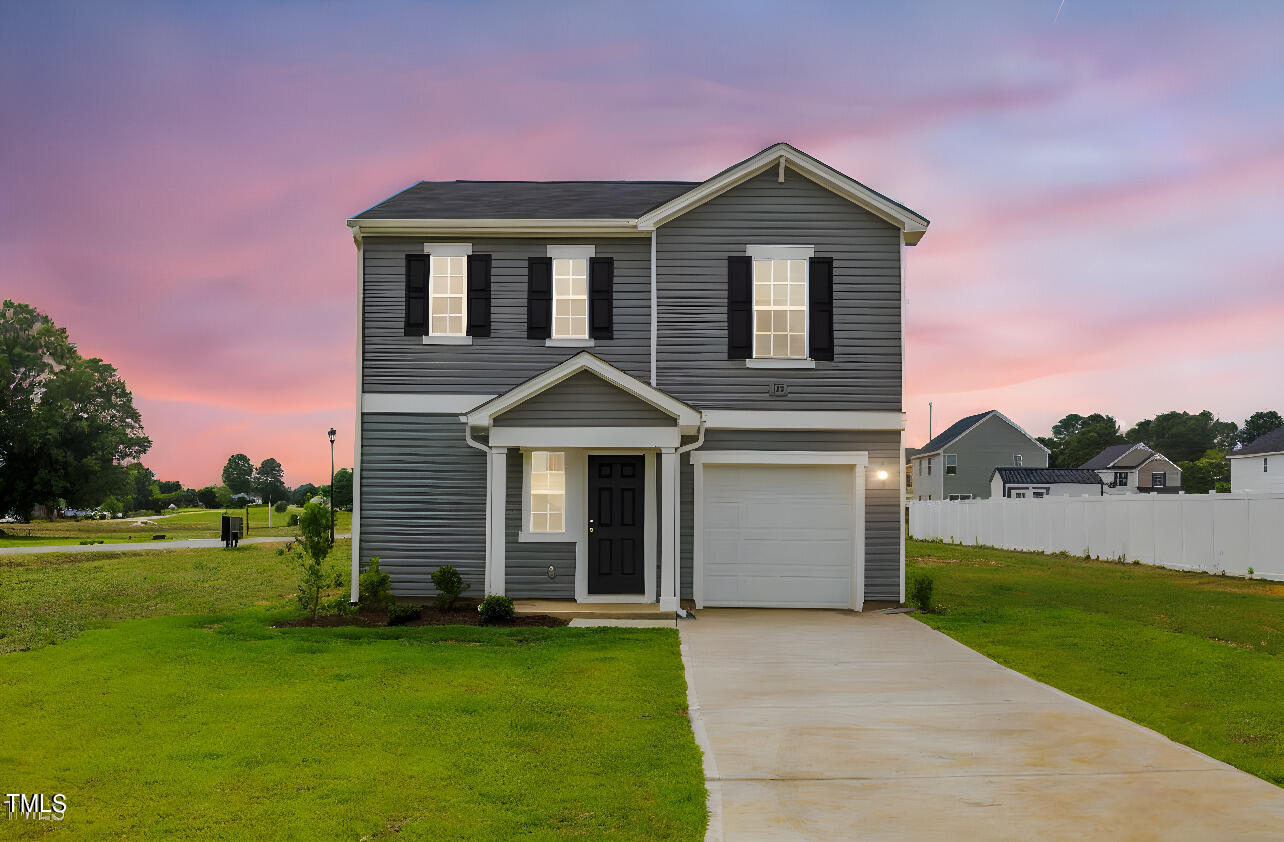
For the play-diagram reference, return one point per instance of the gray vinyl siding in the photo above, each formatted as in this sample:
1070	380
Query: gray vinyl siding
1156	464
991	444
584	400
883	506
526	565
423	500
392	362
691	259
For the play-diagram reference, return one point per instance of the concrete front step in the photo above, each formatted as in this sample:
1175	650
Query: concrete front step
570	609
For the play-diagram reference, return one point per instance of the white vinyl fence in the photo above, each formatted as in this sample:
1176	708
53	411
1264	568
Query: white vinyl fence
1211	532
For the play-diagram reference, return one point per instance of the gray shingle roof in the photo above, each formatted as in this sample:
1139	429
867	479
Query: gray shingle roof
1272	442
1047	476
952	432
1104	458
527	200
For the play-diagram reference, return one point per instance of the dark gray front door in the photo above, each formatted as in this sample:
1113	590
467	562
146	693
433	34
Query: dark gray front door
616	513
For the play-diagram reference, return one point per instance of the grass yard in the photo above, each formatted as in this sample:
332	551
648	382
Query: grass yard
184	523
203	722
1196	657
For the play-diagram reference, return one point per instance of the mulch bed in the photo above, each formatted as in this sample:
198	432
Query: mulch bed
463	614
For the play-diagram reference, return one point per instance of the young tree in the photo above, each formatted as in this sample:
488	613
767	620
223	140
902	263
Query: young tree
238	474
303	494
309	554
343	488
208	497
1200	476
1258	425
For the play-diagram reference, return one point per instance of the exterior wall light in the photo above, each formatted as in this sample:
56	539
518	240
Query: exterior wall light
882	475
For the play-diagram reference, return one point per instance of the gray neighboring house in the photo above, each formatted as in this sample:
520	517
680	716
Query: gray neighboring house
1259	465
1135	469
958	463
636	391
1036	483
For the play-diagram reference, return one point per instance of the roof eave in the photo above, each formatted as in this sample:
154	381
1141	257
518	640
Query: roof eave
417	227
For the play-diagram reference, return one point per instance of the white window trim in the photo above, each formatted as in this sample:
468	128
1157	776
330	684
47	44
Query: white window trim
781	252
569	343
571	253
463	250
525	535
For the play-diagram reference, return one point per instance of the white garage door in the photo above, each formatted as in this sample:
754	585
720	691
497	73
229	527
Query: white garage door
779	535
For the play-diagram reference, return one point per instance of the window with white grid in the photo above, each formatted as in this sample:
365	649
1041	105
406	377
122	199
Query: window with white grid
446	289
570	298
548	491
779	308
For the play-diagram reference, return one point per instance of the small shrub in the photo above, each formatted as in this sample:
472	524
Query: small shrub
920	592
293	519
399	614
449	585
1250	572
280	507
374	588
495	609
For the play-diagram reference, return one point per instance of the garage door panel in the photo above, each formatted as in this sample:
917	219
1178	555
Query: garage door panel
778	535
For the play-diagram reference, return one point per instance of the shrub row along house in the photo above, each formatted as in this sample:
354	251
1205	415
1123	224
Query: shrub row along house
636	391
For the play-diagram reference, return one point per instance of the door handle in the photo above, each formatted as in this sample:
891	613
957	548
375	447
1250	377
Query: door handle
590	529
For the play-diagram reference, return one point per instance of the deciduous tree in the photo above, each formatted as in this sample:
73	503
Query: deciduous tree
1184	436
1259	424
238	474
1077	438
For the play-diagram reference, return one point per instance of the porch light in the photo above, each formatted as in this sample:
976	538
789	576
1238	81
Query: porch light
882	475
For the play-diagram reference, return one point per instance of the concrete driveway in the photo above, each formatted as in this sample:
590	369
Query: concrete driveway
832	725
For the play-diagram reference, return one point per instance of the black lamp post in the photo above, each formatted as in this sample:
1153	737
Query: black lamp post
331	434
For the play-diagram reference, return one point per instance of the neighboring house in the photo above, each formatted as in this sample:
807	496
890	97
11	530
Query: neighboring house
1135	469
1259	465
1033	483
958	463
636	391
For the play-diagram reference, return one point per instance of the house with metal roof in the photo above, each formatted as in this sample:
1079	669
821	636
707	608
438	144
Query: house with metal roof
1036	483
667	393
1259	465
1135	468
958	464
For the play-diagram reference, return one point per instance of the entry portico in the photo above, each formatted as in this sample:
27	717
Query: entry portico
598	451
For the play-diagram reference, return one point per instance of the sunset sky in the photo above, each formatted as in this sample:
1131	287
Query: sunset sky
1106	189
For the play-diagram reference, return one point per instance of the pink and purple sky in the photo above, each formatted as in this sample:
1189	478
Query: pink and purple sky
1106	189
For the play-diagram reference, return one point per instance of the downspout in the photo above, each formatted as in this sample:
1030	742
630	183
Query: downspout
472	442
355	589
655	313
677	536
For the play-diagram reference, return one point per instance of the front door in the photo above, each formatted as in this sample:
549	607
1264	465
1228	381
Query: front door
615	539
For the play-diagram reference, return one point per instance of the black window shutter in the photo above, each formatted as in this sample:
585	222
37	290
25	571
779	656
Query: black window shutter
416	294
539	298
739	307
601	291
478	295
820	306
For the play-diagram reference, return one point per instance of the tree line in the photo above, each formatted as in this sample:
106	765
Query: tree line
1198	443
71	437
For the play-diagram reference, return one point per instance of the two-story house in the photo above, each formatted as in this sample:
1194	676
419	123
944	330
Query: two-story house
958	463
623	391
1135	469
1259	465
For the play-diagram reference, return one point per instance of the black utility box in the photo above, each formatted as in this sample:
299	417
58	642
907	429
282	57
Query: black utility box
231	533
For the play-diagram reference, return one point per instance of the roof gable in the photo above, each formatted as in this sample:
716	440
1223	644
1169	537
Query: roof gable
913	225
963	426
1127	455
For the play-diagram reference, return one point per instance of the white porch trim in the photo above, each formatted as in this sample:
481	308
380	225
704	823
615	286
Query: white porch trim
553	438
803	419
497	493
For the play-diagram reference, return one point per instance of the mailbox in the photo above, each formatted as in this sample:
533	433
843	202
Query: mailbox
231	532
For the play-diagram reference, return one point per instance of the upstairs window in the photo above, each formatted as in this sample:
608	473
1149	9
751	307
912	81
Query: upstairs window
447	296
1018	459
570	298
779	308
1265	464
951	464
929	466
548	491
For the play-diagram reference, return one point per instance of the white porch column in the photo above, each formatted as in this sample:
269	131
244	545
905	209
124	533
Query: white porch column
669	530
497	492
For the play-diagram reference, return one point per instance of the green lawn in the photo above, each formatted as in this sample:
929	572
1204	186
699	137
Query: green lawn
184	523
221	727
1196	657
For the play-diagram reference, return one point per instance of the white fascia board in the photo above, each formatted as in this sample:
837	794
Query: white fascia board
802	419
911	223
780	457
684	415
551	437
495	227
1255	455
426	404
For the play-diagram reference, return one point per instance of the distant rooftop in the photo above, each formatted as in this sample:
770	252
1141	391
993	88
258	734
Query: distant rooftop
1048	476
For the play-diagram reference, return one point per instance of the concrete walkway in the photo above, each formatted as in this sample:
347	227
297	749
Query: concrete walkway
184	544
832	725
